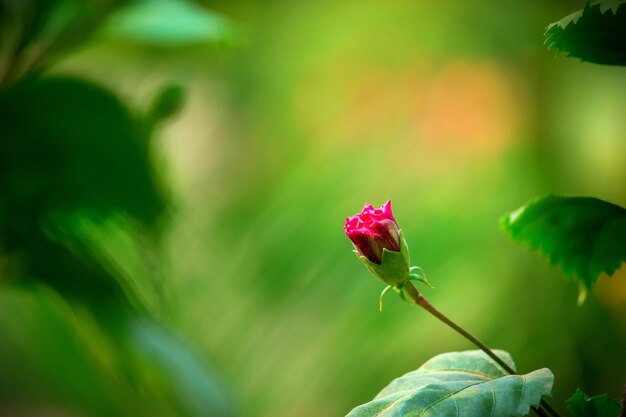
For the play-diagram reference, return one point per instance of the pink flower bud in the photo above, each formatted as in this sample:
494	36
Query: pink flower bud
373	230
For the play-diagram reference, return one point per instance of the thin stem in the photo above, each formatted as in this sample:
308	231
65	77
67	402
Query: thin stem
416	297
539	411
545	404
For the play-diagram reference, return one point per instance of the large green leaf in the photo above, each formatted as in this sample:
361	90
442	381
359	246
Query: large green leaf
595	34
585	236
460	384
73	158
579	405
66	144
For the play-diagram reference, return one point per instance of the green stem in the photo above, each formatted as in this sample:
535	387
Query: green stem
545	404
417	298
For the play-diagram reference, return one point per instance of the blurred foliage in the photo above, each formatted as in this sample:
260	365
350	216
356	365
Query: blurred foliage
594	34
222	261
34	33
584	236
64	356
167	102
67	146
579	405
469	382
168	23
81	211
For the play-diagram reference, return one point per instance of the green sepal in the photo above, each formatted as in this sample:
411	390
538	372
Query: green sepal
420	278
382	295
394	266
417	273
400	290
417	270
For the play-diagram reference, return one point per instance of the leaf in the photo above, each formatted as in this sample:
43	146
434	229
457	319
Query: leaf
460	384
67	143
579	405
167	102
585	236
71	153
595	34
168	23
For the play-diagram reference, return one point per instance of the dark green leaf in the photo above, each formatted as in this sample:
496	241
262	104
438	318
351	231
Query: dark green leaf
460	384
167	102
579	405
71	157
67	143
584	236
595	34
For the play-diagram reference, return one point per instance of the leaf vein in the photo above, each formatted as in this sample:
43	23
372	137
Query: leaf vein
489	377
452	394
393	402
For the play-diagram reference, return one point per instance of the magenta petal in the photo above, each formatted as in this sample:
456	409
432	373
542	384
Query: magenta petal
387	210
373	230
367	244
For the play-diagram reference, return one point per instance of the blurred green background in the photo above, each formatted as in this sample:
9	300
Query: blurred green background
223	232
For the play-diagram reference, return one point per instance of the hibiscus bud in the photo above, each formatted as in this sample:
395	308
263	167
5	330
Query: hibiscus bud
379	243
373	230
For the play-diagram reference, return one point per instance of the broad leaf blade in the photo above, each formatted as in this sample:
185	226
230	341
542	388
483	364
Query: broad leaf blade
584	236
67	143
460	383
579	405
595	34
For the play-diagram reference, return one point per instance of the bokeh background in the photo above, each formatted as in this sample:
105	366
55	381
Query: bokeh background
296	113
